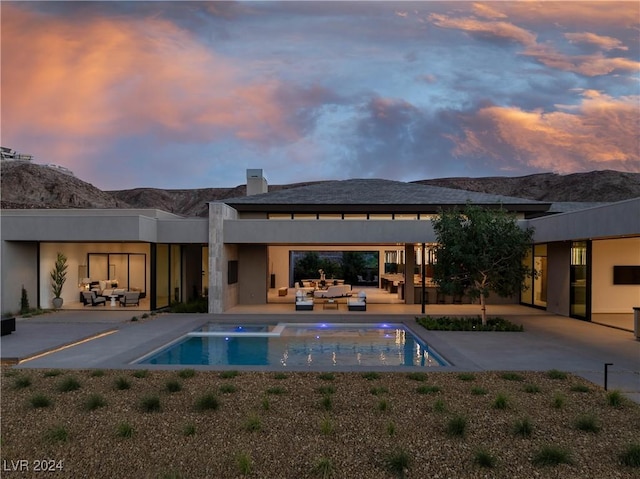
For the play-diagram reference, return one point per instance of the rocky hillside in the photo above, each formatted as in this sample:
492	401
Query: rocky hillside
27	185
603	186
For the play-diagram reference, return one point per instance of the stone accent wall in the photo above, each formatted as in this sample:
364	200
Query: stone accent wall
222	296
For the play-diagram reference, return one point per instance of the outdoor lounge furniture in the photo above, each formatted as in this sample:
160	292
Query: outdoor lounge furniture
130	298
302	303
302	285
336	291
358	303
90	297
8	325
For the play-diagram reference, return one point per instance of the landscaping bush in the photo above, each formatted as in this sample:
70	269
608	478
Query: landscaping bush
484	458
447	323
551	456
200	305
398	462
150	404
244	463
556	374
186	373
124	429
22	382
457	426
426	389
501	402
631	455
253	423
615	399
276	390
324	468
228	388
378	390
68	384
122	383
56	434
94	401
39	401
587	423
523	427
173	386
207	402
417	376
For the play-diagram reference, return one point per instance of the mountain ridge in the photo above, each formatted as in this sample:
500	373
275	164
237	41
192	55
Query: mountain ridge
26	185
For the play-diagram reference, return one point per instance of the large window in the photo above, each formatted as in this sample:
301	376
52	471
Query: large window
540	281
579	285
526	295
128	270
162	275
354	267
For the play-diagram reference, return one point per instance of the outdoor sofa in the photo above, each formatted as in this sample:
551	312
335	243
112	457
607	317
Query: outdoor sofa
358	303
302	302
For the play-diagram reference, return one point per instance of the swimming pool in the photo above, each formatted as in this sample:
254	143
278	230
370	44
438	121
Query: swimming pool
295	345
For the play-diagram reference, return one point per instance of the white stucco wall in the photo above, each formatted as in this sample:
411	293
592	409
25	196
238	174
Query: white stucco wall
605	296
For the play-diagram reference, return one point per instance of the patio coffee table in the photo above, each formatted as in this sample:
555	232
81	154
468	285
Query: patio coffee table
113	299
330	304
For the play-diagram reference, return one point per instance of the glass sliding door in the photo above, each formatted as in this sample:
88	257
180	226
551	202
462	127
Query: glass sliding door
540	281
526	295
138	273
176	268
162	276
578	293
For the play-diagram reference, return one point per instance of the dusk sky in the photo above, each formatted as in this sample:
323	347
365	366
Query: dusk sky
190	94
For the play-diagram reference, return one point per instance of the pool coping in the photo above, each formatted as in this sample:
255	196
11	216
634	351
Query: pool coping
549	341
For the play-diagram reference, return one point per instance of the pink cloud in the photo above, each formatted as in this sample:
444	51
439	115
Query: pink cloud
588	65
105	78
495	29
599	133
487	11
603	42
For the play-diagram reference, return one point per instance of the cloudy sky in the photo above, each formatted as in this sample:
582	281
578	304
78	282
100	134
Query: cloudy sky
191	94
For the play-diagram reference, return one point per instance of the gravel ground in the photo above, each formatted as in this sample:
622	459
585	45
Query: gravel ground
282	426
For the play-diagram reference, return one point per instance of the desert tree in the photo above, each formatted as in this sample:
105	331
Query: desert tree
480	251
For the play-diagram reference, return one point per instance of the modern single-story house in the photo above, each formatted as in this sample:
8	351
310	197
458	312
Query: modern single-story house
587	257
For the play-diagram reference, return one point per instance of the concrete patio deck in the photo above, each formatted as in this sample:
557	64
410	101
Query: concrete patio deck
112	340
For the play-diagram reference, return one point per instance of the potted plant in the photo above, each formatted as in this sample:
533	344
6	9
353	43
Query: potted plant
58	278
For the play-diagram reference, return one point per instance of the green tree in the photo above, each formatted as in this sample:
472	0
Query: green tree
353	264
480	251
307	266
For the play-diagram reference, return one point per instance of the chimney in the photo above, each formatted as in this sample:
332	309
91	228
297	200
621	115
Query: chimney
256	183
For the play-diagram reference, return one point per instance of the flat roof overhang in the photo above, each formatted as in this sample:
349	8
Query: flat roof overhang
380	208
58	225
261	231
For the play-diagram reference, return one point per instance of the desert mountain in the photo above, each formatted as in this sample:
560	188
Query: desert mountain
29	185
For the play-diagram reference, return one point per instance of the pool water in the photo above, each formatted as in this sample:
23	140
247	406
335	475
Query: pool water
298	345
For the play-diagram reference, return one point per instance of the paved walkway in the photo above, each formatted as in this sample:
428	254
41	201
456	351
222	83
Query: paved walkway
549	342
